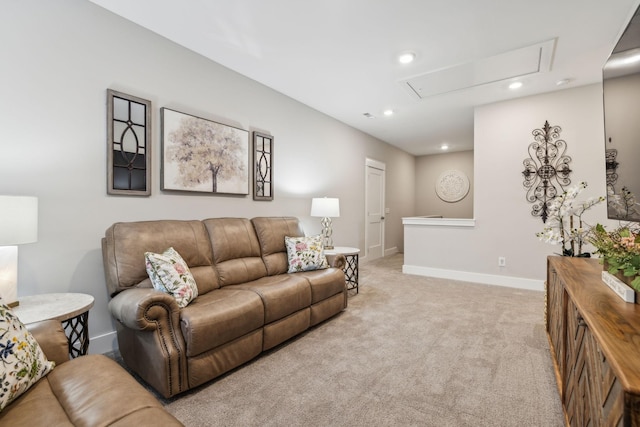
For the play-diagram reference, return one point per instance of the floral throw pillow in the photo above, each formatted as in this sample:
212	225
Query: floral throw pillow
22	361
305	253
169	273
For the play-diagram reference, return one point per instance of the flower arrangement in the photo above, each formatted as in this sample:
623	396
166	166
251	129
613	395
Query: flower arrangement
620	251
565	224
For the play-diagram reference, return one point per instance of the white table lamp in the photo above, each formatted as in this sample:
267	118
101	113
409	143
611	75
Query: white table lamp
326	208
18	225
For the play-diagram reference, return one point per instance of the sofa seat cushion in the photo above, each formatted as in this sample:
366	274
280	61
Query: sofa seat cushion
219	317
281	295
50	412
87	391
324	283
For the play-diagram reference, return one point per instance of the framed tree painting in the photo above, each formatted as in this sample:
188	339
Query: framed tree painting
128	145
262	166
202	155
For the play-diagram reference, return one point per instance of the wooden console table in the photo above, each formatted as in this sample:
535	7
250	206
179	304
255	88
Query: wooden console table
595	345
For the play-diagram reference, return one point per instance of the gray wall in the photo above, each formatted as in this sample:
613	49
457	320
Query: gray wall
58	60
428	169
504	225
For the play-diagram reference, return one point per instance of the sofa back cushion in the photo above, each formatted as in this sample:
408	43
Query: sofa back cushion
236	252
271	232
125	244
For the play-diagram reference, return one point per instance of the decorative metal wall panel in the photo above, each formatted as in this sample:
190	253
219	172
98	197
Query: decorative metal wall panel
546	171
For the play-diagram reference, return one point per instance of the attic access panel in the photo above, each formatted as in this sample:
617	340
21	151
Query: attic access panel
519	62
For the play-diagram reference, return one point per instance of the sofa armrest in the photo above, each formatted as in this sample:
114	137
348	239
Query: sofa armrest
142	309
52	340
337	261
150	338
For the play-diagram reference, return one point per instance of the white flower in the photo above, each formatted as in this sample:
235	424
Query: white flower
564	222
550	235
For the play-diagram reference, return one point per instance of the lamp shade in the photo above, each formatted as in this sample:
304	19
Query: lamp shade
325	207
18	220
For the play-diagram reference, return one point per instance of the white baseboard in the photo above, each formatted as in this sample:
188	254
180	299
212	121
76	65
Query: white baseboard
466	276
391	251
387	252
105	343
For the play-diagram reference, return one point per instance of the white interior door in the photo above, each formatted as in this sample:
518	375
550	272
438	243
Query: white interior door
374	235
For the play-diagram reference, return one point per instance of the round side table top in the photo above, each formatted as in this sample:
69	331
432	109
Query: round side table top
62	306
344	250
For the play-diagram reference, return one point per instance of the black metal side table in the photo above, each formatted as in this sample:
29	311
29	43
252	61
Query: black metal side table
71	309
351	267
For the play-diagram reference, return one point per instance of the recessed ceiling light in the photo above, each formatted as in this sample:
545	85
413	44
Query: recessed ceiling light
515	85
444	147
388	112
406	57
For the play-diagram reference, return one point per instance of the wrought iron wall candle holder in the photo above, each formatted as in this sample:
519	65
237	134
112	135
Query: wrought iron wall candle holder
546	171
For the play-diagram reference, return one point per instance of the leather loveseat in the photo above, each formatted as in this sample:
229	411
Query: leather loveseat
247	302
89	391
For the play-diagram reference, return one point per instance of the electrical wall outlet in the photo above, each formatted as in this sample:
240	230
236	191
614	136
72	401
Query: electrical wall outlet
502	261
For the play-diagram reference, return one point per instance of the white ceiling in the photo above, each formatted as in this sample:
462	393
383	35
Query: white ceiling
339	56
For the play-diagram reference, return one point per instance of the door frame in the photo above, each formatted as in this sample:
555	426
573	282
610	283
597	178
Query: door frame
376	164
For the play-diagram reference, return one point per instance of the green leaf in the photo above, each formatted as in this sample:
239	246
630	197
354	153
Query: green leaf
614	265
22	373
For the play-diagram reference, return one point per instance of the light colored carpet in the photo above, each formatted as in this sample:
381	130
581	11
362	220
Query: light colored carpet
408	351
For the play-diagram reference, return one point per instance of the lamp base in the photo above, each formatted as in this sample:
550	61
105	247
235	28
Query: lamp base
327	232
9	275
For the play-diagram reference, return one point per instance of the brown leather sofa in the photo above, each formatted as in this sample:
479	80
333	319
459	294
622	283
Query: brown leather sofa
247	302
87	391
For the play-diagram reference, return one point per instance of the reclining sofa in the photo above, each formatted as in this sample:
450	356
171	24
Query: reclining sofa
89	391
247	302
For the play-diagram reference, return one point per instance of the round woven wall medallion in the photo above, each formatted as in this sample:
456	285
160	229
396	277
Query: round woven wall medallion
452	186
